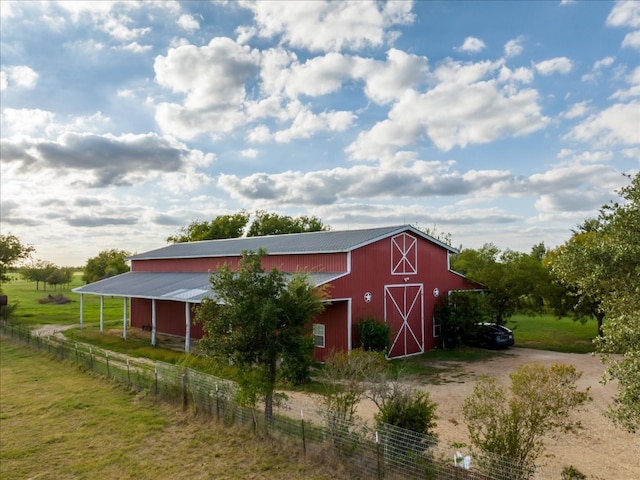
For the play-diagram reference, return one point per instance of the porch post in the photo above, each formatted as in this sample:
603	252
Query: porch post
187	327
153	322
101	314
124	318
81	310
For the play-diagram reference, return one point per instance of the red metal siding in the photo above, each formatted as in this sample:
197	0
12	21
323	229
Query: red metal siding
329	262
170	317
335	318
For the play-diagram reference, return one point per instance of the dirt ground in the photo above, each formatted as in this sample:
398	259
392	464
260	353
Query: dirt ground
600	451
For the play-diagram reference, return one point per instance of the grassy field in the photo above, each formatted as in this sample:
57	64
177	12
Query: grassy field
31	311
547	332
60	423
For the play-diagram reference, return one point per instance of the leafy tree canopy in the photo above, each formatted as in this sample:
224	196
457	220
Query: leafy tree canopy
223	226
106	264
233	226
601	262
513	278
257	319
11	252
273	224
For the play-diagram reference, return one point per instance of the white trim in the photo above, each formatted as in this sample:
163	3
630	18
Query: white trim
398	266
316	334
405	314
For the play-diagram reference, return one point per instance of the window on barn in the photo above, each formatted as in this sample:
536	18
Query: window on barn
318	335
437	328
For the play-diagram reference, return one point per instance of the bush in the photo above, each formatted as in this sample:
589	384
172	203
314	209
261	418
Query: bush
572	473
411	410
375	336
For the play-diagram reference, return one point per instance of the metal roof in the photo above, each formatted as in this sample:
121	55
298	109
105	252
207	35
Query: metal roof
177	286
295	243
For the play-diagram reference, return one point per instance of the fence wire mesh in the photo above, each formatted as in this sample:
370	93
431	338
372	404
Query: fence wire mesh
379	451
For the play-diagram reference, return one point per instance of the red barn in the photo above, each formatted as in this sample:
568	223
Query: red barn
395	274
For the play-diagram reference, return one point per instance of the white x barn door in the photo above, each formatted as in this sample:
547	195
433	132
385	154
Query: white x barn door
404	310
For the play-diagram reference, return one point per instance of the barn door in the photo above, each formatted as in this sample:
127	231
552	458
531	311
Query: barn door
403	305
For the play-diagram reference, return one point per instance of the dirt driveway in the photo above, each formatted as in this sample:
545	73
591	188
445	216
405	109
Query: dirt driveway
600	451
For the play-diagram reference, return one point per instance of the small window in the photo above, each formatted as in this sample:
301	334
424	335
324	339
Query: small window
437	328
318	335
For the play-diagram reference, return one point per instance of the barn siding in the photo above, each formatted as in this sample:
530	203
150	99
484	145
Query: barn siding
326	262
335	318
170	317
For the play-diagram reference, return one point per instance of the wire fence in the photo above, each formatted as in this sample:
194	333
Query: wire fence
379	451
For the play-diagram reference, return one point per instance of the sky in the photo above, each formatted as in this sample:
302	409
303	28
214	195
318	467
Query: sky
491	121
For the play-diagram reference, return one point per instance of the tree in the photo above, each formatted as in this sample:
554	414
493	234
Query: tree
258	318
601	262
38	271
11	252
223	226
106	264
513	278
512	424
273	224
458	316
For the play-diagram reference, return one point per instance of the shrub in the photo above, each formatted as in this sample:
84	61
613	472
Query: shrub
375	336
411	410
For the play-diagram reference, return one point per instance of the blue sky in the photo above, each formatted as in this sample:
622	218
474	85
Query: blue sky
502	122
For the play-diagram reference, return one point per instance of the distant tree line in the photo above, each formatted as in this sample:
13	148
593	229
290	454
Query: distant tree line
237	225
47	273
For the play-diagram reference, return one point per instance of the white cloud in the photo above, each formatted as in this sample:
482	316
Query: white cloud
514	47
633	91
472	45
632	40
249	153
212	78
19	76
559	64
465	107
188	22
624	14
617	125
306	124
576	110
335	25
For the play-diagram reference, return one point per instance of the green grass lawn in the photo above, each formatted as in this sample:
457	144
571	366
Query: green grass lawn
31	311
547	332
59	423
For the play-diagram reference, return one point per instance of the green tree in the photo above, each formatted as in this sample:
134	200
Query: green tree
458	315
512	424
38	271
601	262
60	276
221	227
11	252
513	279
106	264
267	223
256	319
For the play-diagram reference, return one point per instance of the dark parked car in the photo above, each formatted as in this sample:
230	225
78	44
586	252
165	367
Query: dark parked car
491	335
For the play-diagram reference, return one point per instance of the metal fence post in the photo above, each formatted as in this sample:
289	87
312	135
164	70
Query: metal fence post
91	358
156	378
128	373
107	356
